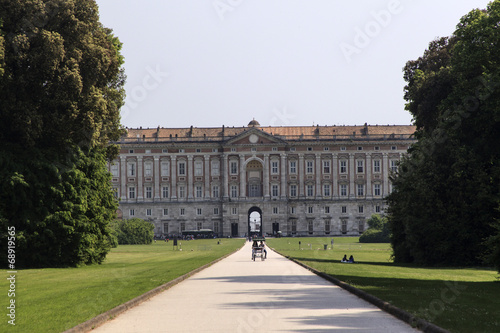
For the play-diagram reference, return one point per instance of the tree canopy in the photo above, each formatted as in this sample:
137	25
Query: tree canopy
445	205
61	90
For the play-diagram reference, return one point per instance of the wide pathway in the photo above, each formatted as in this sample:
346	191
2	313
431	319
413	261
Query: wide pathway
239	295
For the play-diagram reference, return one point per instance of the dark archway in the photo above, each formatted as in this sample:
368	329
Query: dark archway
254	222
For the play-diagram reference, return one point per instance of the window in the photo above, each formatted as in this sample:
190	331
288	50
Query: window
198	211
394	148
253	149
326	148
293	190
360	209
149	212
132	212
165	211
343	190
165	169
165	192
344	226
198	150
360	148
344	209
376	166
327	226
148	169
343	166
215	191
310	190
181	150
164	150
233	150
327	209
199	225
377	209
326	166
294	226
326	190
274	167
310	166
114	170
131	192
310	210
183	212
376	148
131	169
234	211
275	210
275	148
182	191
183	224
292	149
115	193
233	165
149	192
394	165
274	190
199	191
293	167
182	168
215	168
131	151
360	164
216	210
376	190
361	190
234	191
309	149
198	168
361	226
310	226
165	228
293	210
215	150
342	148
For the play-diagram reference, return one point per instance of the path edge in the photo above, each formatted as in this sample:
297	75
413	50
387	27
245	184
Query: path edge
99	320
403	315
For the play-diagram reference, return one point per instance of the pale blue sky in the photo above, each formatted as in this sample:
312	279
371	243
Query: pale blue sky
210	63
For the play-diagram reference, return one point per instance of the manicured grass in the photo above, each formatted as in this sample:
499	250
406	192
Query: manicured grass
457	299
53	300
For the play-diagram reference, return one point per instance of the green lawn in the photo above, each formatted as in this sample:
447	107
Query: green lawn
53	300
457	299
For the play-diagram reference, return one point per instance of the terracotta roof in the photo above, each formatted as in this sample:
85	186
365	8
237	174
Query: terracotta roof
285	132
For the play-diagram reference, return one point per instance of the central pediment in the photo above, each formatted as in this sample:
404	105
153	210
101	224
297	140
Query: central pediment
254	136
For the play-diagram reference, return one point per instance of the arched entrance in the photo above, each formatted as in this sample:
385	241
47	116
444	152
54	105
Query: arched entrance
254	222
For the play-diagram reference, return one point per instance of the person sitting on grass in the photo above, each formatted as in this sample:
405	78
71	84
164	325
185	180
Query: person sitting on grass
351	259
344	259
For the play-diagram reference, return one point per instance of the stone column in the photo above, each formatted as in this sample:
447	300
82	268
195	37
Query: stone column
190	177
352	175
319	193
173	171
139	178
243	178
123	177
283	176
266	176
156	173
207	176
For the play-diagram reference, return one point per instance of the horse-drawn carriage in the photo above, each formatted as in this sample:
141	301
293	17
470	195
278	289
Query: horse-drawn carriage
259	248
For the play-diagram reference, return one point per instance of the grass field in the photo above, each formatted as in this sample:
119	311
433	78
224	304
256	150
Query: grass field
53	300
457	299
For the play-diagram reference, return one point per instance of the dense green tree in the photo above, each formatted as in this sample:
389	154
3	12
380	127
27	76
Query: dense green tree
444	206
133	231
378	230
60	94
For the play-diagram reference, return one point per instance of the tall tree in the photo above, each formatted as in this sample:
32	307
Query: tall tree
445	204
60	96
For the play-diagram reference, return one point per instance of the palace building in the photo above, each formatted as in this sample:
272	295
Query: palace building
236	181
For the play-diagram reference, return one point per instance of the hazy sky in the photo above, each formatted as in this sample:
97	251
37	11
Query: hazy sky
210	63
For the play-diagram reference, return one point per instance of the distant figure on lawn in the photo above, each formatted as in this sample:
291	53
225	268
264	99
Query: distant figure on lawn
344	259
351	259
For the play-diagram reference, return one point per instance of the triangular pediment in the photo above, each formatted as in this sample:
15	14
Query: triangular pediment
254	136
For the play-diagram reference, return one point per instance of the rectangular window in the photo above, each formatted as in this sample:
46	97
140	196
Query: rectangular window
376	190
310	166
293	190
274	167
198	168
310	190
293	210
165	211
183	212
376	166
216	211
199	225
360	209
394	165
148	169
343	166
182	168
344	209
294	225
293	167
275	210
215	191
377	209
327	226
131	169
114	170
149	212
274	190
233	167
361	165
165	192
310	210
199	191
198	211
165	228
326	167
165	169
327	209
326	190
149	192
361	226
361	190
234	211
310	226
215	168
343	190
131	192
344	226
182	192
132	212
234	191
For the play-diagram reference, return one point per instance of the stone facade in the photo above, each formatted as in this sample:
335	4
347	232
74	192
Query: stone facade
303	181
